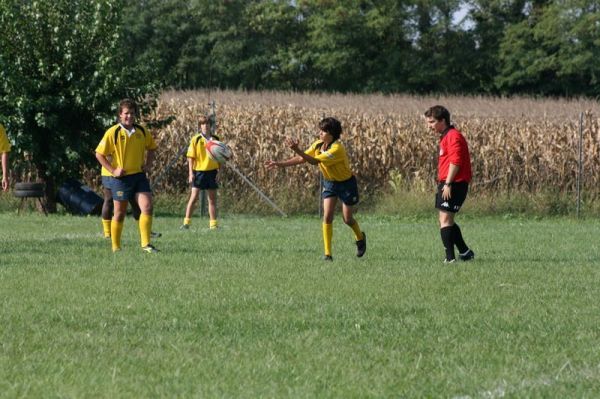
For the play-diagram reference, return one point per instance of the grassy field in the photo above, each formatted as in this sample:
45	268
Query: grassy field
251	311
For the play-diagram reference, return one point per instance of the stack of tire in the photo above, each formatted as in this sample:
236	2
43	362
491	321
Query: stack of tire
29	190
79	199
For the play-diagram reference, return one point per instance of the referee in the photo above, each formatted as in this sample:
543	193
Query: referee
454	175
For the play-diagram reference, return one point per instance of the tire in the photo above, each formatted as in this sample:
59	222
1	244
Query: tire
29	186
28	193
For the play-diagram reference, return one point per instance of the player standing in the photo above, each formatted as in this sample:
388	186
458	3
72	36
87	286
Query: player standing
202	174
131	149
454	176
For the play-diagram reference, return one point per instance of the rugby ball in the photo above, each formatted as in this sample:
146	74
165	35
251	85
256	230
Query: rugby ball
218	151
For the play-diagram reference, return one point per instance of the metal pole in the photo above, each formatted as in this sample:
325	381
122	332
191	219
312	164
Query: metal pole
202	203
263	196
319	194
580	164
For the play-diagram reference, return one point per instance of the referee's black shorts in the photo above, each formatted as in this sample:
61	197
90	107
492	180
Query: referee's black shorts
458	194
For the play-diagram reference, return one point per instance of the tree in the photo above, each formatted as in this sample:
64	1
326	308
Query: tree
60	81
553	51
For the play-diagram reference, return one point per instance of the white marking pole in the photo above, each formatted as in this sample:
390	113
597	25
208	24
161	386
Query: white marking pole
267	199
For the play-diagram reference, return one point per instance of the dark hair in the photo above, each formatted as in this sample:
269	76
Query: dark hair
331	126
128	103
438	113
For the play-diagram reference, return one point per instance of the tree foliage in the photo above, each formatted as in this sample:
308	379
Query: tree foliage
61	76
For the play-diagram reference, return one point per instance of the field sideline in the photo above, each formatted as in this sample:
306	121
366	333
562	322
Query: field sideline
251	310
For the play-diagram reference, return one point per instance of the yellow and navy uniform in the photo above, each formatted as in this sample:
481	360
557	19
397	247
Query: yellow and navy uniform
334	163
4	143
197	151
127	149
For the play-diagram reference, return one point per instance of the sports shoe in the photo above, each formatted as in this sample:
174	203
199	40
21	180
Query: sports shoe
150	249
449	260
469	255
184	227
116	250
328	258
154	234
361	246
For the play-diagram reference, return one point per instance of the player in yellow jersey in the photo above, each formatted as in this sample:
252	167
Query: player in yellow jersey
131	150
202	174
4	150
339	182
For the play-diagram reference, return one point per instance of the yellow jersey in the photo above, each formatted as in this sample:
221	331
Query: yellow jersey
197	151
334	163
127	150
4	143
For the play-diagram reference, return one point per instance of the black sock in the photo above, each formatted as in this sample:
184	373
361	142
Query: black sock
458	240
446	233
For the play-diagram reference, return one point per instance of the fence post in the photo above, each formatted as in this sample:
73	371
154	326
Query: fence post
580	163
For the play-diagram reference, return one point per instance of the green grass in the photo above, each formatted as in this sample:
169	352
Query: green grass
251	310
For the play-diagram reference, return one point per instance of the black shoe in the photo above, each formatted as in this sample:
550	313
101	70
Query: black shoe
469	255
155	234
361	246
327	258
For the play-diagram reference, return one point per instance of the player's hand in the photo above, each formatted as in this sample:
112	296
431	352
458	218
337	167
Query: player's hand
191	178
4	183
292	143
446	193
270	165
118	172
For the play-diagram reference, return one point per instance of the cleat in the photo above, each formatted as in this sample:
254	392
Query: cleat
469	255
116	250
213	228
327	258
361	246
154	234
150	249
449	260
184	227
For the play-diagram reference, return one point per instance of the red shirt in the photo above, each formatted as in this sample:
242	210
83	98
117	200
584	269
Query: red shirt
454	149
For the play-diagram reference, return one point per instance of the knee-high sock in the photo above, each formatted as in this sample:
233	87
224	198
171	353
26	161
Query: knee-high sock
357	232
116	228
458	240
327	236
145	229
446	233
106	227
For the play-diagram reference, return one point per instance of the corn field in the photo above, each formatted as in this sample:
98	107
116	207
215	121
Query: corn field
516	145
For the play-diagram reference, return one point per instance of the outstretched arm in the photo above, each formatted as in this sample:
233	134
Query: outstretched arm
297	160
293	144
5	171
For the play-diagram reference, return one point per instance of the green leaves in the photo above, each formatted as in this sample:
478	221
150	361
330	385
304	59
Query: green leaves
62	76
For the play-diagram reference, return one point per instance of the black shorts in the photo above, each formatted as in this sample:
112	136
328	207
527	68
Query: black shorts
205	180
458	194
346	191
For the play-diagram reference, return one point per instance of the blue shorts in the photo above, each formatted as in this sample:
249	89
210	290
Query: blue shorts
205	179
124	188
107	182
346	191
